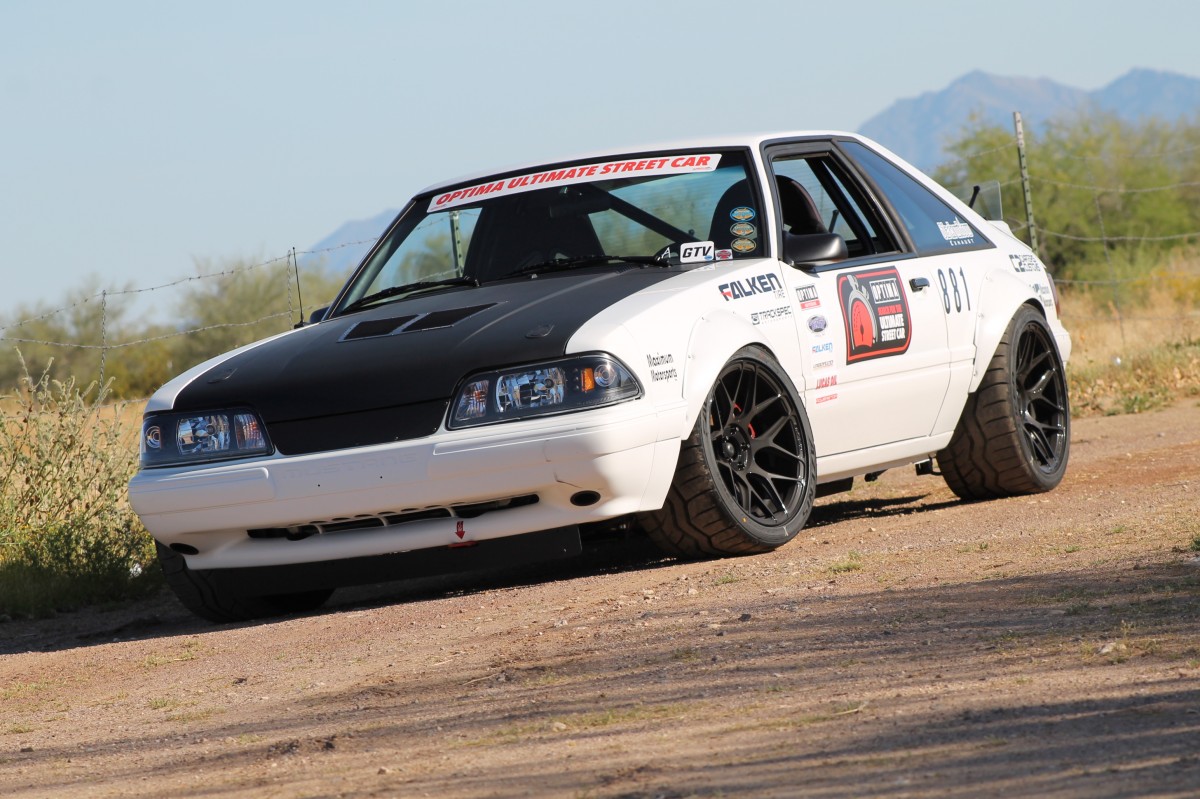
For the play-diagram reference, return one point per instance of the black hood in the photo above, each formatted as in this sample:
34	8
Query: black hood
414	351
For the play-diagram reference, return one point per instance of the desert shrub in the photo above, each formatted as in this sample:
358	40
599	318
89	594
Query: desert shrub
67	534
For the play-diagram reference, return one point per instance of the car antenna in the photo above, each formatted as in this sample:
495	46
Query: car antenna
970	204
299	296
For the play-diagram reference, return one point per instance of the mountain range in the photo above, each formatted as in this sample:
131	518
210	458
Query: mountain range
918	128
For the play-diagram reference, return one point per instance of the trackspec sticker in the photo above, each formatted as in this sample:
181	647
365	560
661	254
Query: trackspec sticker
767	283
771	314
743	230
957	233
875	310
697	252
742	214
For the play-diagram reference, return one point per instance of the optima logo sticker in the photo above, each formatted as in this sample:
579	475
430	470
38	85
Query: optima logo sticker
876	313
759	284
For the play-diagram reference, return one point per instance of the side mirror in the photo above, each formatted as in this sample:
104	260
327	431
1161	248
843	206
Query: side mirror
317	315
813	249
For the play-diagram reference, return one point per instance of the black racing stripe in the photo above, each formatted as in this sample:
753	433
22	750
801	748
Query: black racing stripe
313	373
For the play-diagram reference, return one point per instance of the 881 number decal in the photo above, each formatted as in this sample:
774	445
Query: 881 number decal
954	289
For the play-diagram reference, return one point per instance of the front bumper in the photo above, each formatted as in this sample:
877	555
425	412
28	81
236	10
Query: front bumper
625	454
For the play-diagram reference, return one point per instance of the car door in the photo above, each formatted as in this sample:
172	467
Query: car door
957	253
872	329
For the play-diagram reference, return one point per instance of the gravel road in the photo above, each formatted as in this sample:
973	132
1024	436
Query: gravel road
906	644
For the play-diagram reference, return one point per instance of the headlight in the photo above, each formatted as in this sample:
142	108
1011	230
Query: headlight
572	384
172	439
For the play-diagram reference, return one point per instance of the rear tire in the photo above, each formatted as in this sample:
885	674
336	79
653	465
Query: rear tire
1014	436
746	476
213	600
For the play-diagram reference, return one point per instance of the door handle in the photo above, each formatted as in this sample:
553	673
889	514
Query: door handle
919	283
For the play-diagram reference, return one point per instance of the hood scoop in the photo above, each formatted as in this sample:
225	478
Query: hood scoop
412	323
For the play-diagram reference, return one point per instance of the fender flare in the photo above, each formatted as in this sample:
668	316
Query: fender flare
1005	293
714	339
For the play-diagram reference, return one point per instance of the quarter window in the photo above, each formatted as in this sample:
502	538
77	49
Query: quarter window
933	226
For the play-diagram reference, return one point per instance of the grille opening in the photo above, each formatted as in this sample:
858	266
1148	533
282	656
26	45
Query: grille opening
470	510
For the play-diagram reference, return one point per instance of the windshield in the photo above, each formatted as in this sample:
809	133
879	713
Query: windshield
646	208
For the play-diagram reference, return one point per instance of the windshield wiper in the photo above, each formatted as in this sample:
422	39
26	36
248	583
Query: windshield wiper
393	291
561	264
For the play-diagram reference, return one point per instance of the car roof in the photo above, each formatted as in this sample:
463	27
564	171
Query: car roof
754	141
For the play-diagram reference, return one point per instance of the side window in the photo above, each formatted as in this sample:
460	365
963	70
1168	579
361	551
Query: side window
933	226
814	199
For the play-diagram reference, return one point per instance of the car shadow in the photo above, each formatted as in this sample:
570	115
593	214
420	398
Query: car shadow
162	616
832	511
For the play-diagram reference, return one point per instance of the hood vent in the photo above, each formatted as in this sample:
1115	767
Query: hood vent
377	327
413	323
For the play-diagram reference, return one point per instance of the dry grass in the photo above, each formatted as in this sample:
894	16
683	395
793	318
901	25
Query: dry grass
1137	348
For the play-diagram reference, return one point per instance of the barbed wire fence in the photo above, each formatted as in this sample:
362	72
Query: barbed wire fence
91	324
1038	181
88	330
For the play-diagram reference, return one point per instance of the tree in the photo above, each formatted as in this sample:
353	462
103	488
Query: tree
1109	195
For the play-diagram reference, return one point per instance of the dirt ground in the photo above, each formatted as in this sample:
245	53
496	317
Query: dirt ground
907	644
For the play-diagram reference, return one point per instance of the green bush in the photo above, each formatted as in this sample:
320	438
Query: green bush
67	534
1093	176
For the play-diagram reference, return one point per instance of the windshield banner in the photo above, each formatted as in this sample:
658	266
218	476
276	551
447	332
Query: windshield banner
638	167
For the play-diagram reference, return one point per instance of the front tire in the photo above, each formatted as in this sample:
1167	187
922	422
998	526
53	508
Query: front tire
1014	436
213	600
746	476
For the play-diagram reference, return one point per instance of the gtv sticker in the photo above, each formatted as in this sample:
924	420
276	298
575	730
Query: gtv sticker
875	310
697	252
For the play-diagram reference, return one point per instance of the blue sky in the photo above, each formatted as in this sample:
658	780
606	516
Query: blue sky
137	138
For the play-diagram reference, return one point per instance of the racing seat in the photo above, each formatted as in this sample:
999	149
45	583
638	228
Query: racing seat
806	239
524	230
796	206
